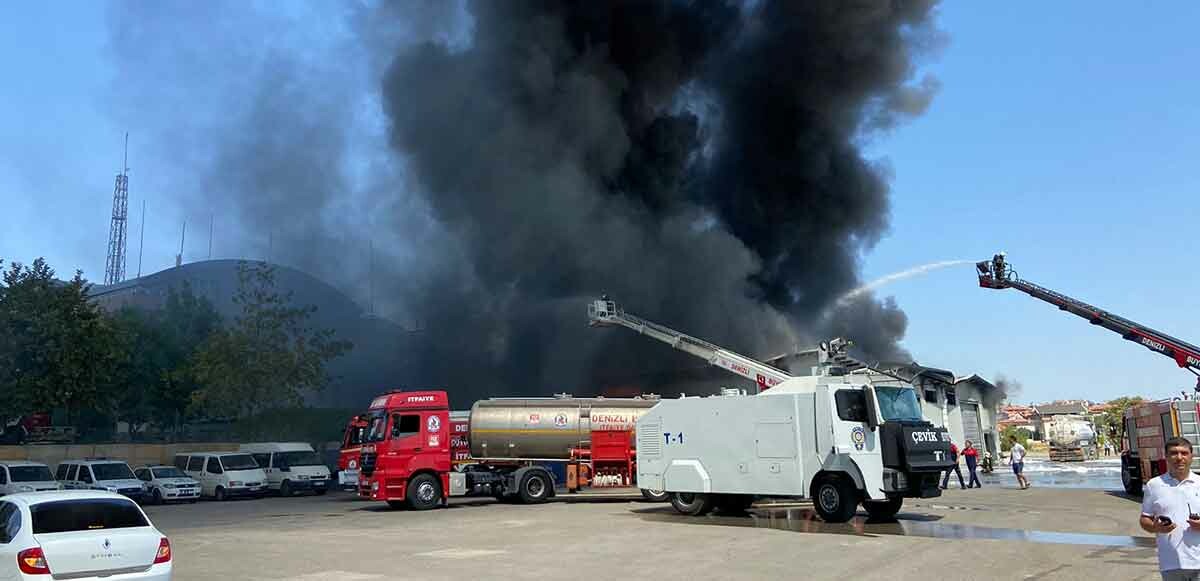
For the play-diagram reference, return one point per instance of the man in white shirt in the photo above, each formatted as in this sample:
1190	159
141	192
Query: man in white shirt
1016	457
1170	505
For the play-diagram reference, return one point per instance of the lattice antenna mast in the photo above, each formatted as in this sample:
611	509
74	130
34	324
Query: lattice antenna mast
114	268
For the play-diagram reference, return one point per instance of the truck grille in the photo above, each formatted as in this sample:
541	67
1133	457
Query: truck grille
366	462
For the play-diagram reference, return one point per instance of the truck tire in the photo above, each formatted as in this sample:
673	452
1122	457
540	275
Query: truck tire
535	488
219	494
1132	484
883	509
655	495
285	489
834	498
424	492
692	503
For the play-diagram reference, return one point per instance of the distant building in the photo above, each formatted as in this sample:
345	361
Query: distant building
968	407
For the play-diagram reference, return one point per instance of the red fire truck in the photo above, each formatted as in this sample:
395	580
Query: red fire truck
415	452
1146	429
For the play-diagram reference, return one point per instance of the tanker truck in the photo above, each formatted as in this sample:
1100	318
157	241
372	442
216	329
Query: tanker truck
1072	438
416	453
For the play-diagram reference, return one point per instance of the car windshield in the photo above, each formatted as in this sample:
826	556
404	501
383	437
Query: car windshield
238	462
30	473
66	516
112	471
898	404
378	430
170	472
300	458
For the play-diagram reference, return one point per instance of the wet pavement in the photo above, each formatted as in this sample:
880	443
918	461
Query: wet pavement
993	533
805	520
1103	474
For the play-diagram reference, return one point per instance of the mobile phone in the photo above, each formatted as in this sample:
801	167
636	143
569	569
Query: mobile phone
1163	520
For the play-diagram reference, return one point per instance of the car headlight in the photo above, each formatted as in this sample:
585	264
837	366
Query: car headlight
169	485
26	489
234	483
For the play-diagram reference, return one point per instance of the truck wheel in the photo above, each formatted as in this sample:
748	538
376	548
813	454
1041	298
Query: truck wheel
692	503
834	499
1132	484
655	495
220	494
883	509
285	489
424	492
535	488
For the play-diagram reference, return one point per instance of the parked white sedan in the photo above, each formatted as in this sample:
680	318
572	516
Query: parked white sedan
79	534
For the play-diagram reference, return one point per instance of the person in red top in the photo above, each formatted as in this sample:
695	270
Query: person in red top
953	458
972	456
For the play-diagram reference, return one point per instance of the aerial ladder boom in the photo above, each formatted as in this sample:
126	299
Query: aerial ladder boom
605	312
998	274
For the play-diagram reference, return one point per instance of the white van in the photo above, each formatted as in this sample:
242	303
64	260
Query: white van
291	466
223	475
21	476
99	474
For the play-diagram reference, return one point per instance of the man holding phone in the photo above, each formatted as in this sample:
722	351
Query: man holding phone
1169	510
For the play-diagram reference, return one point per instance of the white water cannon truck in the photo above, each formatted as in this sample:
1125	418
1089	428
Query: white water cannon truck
842	436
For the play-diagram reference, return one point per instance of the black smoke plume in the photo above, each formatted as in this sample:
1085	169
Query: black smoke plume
699	161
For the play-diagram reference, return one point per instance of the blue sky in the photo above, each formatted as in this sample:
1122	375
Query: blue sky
1064	133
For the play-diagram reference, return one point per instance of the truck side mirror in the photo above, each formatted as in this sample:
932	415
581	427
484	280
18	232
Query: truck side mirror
872	414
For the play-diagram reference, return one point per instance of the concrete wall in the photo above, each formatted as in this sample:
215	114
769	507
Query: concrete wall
135	454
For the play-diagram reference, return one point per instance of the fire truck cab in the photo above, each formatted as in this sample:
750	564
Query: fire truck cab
405	457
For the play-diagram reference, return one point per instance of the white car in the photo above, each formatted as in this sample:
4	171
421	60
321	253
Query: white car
20	476
79	534
167	484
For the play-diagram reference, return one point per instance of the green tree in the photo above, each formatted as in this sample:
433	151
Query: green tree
269	357
56	348
1109	423
1012	434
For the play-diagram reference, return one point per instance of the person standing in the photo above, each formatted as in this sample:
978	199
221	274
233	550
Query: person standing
1168	511
1016	457
972	456
953	458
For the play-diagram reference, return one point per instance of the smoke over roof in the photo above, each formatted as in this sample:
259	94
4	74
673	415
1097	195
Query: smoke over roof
698	161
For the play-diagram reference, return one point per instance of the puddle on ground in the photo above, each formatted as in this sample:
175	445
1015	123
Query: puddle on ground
805	520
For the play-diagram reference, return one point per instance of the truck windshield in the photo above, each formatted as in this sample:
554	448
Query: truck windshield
300	458
898	404
378	429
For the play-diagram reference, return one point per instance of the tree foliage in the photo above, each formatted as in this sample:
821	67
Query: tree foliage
57	350
1011	434
1108	425
269	357
154	380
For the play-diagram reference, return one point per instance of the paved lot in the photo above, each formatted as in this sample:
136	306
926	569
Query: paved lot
992	533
